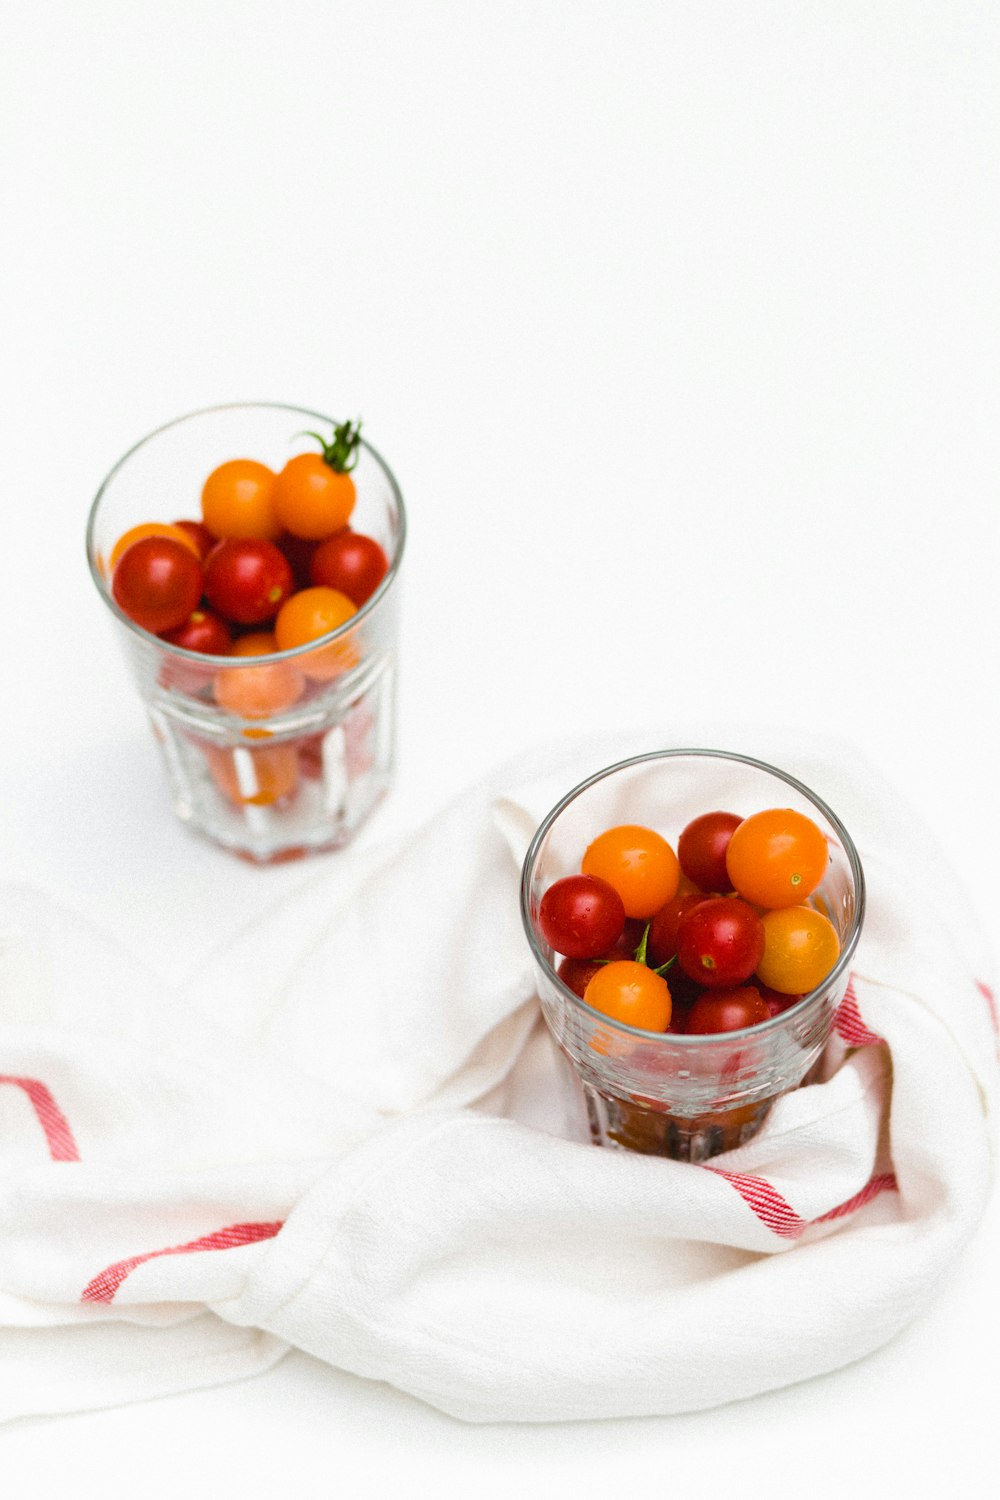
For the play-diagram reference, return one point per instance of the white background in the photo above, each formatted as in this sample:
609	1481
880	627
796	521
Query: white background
678	324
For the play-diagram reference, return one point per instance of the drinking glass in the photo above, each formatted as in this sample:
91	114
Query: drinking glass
677	1095
303	778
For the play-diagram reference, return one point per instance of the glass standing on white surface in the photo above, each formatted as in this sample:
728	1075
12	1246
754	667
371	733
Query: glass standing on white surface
302	778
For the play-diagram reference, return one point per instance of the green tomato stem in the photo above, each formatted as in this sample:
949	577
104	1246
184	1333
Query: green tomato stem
341	453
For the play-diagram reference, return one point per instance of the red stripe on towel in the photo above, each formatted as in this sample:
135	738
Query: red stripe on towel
766	1202
882	1182
779	1216
62	1146
105	1285
848	1023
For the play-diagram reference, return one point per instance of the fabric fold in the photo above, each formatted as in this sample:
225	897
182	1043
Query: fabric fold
346	1135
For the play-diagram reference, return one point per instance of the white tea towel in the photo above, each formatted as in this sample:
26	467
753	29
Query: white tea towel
347	1136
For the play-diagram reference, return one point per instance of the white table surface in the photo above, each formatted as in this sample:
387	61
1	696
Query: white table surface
678	325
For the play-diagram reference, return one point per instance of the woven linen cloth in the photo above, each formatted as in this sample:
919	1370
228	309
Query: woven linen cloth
347	1135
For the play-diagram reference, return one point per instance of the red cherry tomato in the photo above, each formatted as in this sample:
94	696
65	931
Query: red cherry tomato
202	631
199	534
299	551
775	1002
702	847
727	1010
150	528
247	579
353	563
581	916
720	942
662	942
577	973
157	583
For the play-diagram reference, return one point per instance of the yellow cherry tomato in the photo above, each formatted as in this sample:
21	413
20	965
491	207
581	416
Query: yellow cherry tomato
801	946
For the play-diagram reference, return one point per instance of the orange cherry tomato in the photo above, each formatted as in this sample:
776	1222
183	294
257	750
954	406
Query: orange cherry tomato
237	501
308	615
639	863
311	499
631	993
777	858
255	643
801	946
151	528
257	692
255	778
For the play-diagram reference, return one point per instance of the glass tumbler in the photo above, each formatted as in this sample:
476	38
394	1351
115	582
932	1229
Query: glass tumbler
304	777
677	1095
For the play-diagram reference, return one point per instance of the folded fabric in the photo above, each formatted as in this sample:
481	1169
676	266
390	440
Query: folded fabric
347	1135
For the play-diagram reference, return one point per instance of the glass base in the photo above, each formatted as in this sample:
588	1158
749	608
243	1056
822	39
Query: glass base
629	1126
634	1124
270	798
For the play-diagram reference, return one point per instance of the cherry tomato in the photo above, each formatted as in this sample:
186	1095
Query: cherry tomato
777	858
662	942
776	1003
147	529
640	865
256	692
158	583
801	946
727	1010
299	552
309	615
202	631
311	499
255	643
576	973
702	847
353	563
309	748
257	777
581	916
631	993
720	941
237	501
247	579
199	534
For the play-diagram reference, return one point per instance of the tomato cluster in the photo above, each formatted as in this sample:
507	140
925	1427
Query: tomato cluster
733	916
271	565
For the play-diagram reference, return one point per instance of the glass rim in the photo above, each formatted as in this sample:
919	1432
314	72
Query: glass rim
665	1038
237	663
